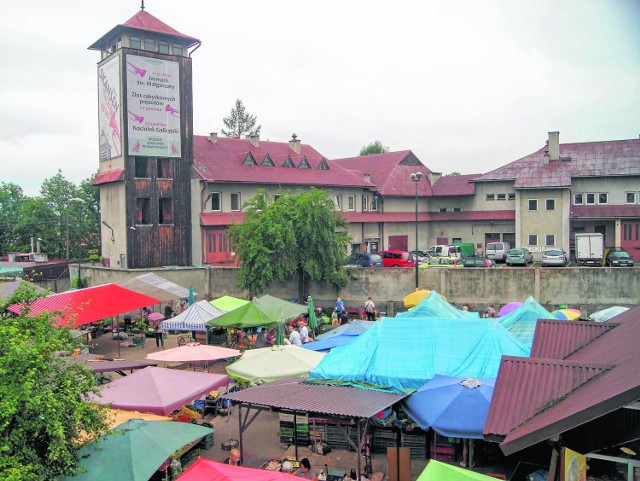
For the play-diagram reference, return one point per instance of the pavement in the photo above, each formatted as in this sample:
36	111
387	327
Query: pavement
261	440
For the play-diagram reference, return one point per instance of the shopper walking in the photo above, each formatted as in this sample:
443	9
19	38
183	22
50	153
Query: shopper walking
370	309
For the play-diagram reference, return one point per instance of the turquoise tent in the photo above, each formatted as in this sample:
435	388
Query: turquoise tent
522	322
434	305
429	346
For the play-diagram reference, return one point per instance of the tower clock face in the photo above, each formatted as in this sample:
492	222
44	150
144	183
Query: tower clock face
153	107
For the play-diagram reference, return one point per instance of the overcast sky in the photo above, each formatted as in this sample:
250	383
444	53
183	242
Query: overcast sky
466	85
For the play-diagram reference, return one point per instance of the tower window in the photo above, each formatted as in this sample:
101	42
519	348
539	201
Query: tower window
142	168
142	210
163	47
215	201
134	42
149	44
177	49
164	169
165	211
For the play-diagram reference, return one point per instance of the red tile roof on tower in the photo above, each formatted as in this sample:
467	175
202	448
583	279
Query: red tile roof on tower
236	160
146	22
588	159
109	176
455	185
391	172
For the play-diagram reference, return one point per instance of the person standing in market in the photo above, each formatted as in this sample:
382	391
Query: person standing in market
370	309
305	470
159	334
304	332
339	308
234	458
294	337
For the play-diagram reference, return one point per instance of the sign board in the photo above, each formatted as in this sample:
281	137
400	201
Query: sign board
574	466
109	111
153	107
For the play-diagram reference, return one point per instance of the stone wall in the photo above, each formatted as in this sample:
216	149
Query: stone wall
585	288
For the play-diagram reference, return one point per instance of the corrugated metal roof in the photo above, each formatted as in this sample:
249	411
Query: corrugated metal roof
83	306
526	386
455	185
224	161
109	176
144	21
587	159
294	394
603	394
558	339
391	172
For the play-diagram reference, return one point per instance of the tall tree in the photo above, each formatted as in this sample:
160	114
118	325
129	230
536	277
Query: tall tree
11	200
297	235
43	408
240	122
374	148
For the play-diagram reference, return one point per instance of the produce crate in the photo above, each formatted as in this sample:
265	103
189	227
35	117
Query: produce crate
286	416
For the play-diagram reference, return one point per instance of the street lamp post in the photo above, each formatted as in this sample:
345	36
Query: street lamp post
416	178
77	200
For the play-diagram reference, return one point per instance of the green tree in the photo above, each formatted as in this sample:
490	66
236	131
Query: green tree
374	148
239	122
454	174
297	235
42	397
11	200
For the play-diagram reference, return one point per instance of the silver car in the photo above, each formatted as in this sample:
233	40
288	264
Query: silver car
554	256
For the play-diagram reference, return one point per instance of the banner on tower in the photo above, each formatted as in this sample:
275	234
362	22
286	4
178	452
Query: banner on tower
109	111
153	107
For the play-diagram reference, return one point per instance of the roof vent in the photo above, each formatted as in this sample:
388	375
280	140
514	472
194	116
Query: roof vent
367	177
294	144
213	137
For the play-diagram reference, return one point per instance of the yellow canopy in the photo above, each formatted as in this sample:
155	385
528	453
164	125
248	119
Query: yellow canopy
115	417
415	298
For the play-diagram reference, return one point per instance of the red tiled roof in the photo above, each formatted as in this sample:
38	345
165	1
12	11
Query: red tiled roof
209	219
144	21
588	159
224	162
603	394
610	211
391	172
110	176
526	386
455	185
83	306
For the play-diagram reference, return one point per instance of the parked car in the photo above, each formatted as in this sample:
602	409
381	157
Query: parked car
446	262
618	258
422	256
519	257
497	251
446	250
554	256
394	258
476	261
364	259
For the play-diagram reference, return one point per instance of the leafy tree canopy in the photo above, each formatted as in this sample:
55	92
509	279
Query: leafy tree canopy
240	122
300	234
454	173
374	148
42	412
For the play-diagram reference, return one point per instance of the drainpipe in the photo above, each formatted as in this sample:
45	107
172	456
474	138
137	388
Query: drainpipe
202	236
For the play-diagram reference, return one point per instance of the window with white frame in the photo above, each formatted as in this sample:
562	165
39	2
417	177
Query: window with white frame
603	198
365	203
163	47
177	49
533	204
491	197
443	209
550	240
338	202
374	204
134	42
578	199
501	196
590	198
550	204
511	196
352	203
533	239
456	209
149	44
631	197
235	201
216	204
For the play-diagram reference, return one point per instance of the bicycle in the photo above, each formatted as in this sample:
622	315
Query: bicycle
185	339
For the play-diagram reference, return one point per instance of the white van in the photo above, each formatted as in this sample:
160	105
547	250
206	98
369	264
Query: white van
497	251
446	251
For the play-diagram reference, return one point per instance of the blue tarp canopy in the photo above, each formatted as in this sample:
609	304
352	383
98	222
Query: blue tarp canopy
193	318
522	322
405	353
327	344
353	328
434	305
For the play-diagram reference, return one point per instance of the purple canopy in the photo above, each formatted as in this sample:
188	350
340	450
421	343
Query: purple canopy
158	390
509	308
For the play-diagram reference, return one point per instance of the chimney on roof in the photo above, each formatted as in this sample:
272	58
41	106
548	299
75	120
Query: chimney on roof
554	146
367	177
213	137
255	140
294	144
433	177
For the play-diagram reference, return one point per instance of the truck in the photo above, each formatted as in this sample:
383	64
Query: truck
589	249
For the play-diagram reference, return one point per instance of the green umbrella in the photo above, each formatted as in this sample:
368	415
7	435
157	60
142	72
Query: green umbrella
313	322
228	303
438	471
134	450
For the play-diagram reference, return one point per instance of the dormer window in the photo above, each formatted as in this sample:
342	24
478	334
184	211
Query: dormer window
163	47
249	160
323	165
134	42
304	164
149	45
267	162
288	163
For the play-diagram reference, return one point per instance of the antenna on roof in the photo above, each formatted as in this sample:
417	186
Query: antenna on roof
141	4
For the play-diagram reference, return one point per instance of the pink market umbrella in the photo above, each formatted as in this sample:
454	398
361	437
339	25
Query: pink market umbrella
509	308
155	318
194	352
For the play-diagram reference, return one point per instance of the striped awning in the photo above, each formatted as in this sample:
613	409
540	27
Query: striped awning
194	318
